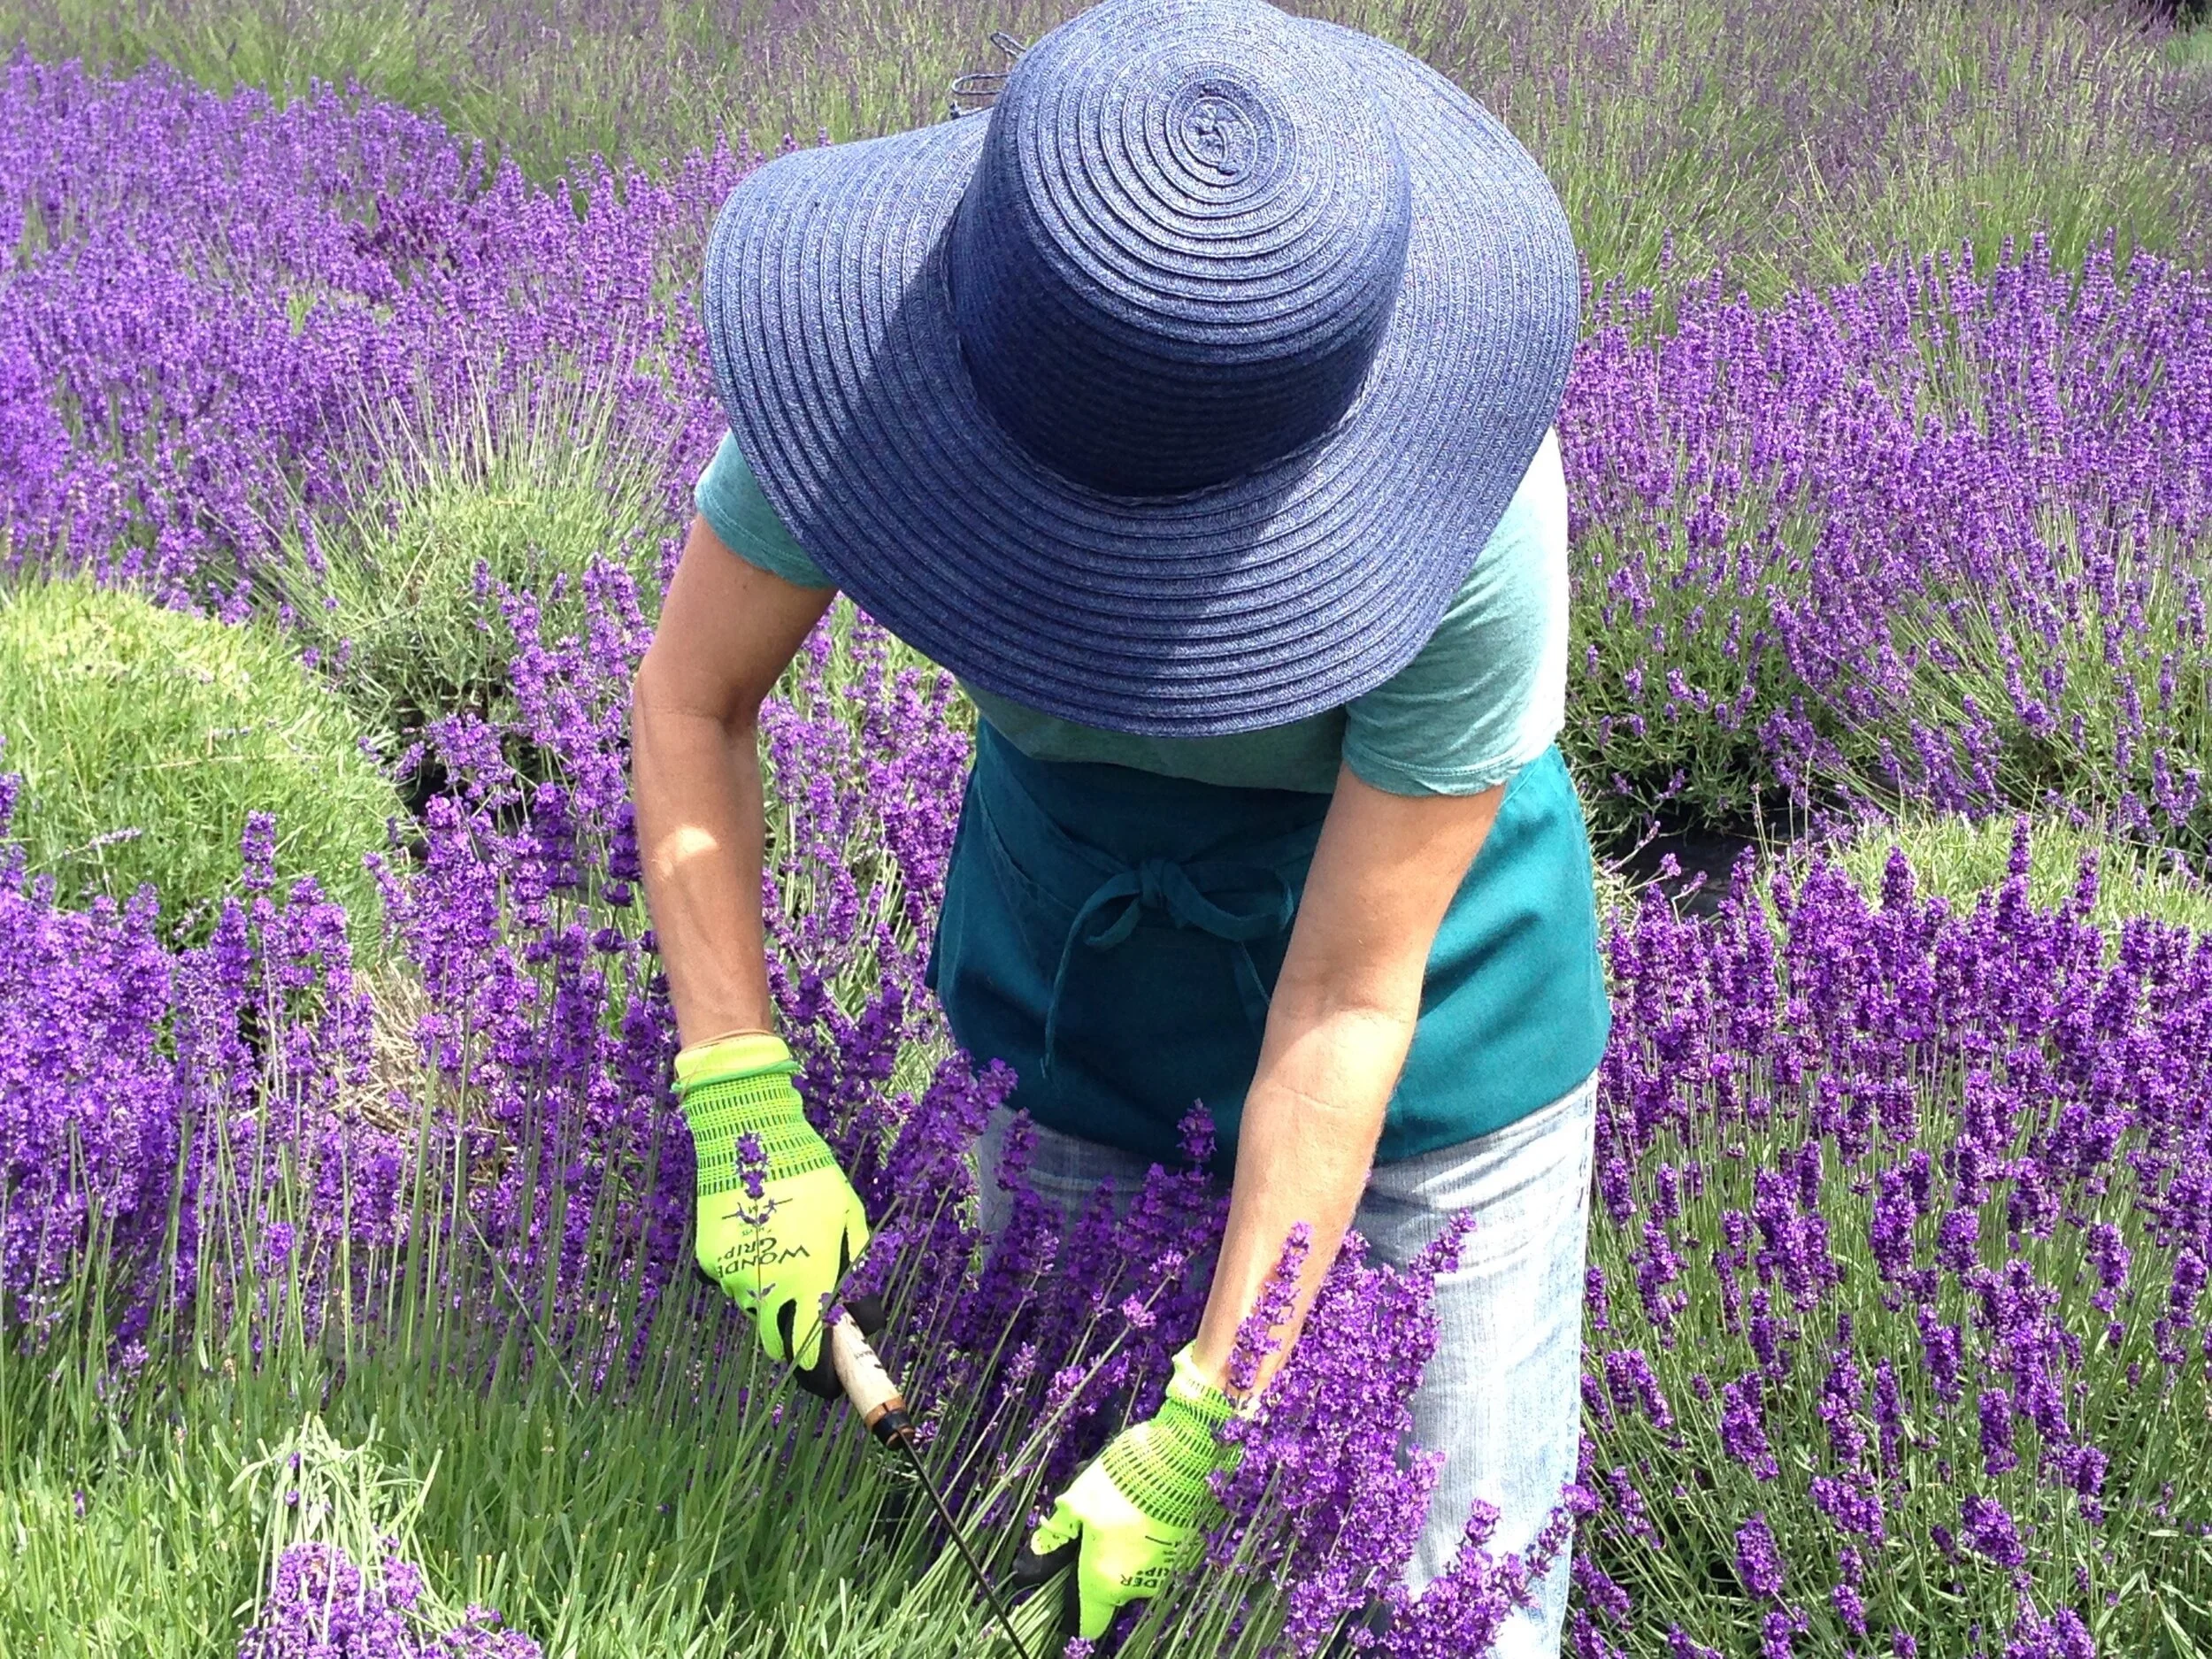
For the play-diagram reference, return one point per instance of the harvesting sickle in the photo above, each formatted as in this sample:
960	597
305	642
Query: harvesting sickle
1261	598
868	1384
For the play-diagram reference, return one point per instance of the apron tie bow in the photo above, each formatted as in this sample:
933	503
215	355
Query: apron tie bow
1204	896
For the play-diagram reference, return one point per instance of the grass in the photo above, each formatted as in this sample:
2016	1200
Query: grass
146	737
1794	145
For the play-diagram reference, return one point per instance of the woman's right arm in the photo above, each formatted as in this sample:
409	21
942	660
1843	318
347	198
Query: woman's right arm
727	631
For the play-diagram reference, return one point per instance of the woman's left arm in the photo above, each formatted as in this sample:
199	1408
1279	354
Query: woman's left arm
1338	1030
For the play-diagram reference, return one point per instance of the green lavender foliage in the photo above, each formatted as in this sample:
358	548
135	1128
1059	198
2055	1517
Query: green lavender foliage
397	603
683	1516
145	738
1958	858
706	1509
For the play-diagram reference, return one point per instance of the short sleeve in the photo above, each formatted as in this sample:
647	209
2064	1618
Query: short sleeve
729	498
1487	694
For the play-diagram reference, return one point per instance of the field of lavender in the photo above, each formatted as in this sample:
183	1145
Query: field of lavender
351	389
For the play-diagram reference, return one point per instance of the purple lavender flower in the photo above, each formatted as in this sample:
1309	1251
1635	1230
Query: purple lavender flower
752	1165
321	1603
1853	1502
1759	1560
1776	1632
1258	1334
1986	1527
1995	1410
1633	1387
1942	1351
1850	1608
1743	1427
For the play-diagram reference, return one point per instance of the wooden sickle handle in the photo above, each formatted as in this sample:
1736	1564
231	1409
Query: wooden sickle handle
865	1380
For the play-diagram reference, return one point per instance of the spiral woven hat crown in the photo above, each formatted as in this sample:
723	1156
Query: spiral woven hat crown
1176	395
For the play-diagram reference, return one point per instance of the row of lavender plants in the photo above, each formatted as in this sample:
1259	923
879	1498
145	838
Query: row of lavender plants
1896	1338
1790	140
1939	535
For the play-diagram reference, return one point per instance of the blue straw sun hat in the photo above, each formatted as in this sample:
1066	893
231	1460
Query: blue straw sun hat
1176	395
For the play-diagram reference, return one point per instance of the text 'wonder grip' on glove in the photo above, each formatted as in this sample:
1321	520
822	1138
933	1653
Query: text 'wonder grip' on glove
780	1250
1138	1515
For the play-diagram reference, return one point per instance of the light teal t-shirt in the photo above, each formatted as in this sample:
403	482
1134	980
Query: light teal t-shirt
1485	695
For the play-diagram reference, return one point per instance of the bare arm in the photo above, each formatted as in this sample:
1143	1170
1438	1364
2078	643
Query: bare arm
1337	1031
727	630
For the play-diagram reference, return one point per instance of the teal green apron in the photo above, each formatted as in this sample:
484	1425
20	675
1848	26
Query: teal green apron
1114	934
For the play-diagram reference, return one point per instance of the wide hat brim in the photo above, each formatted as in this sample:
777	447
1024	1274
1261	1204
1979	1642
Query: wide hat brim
1250	604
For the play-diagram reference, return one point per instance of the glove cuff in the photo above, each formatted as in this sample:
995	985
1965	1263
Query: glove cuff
741	1086
1161	1464
1186	1388
737	1053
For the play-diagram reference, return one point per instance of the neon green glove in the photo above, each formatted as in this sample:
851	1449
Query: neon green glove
782	1251
1138	1515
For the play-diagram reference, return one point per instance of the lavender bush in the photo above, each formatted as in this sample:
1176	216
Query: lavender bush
1896	1324
340	1581
146	739
394	601
216	302
1936	536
